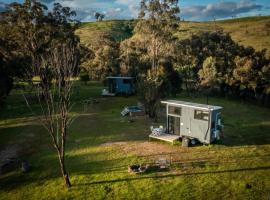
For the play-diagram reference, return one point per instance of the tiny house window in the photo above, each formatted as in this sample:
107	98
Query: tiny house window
174	110
202	115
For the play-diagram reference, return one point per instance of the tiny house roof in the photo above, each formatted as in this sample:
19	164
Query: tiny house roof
119	77
192	105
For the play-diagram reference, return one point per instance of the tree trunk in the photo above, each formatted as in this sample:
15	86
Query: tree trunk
64	172
187	88
152	111
62	152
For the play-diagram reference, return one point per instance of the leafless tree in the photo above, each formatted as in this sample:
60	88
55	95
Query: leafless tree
56	71
48	41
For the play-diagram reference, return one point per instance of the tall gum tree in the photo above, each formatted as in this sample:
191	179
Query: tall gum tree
153	44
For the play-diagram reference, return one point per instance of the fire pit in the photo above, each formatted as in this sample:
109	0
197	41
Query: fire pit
142	168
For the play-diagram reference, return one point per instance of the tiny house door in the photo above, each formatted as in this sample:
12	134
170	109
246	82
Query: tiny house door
174	119
174	125
112	85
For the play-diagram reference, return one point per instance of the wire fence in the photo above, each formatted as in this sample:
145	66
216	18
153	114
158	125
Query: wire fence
236	156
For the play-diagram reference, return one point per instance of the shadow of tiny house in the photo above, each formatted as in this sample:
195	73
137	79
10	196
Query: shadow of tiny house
192	122
119	86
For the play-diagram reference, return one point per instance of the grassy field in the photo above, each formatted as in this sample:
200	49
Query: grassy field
249	31
101	144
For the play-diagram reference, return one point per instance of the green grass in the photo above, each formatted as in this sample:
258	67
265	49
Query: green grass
98	171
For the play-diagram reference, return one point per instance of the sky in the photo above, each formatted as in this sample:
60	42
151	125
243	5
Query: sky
193	10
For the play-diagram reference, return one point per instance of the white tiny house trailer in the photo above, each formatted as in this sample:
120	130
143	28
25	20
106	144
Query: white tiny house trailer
192	121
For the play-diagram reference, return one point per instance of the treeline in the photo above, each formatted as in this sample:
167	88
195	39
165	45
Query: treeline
208	62
218	64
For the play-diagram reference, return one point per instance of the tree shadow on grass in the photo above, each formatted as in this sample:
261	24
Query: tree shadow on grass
120	165
200	166
17	179
11	181
87	165
173	175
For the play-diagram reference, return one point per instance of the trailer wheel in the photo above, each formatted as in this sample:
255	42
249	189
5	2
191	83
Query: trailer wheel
193	142
185	142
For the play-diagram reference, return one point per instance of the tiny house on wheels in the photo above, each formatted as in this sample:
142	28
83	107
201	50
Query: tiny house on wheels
192	122
119	86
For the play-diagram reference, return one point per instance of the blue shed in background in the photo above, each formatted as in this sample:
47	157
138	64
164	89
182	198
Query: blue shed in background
118	85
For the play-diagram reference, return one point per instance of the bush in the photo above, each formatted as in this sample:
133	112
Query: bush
84	78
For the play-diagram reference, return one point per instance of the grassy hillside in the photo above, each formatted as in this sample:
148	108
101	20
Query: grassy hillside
249	31
119	29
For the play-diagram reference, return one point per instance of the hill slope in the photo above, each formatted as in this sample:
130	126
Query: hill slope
249	31
119	29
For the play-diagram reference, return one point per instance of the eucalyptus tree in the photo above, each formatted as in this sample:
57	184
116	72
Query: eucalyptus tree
158	21
208	73
186	64
8	71
48	39
213	59
251	74
99	16
196	51
12	62
104	58
153	44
